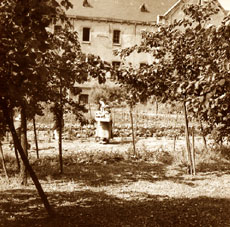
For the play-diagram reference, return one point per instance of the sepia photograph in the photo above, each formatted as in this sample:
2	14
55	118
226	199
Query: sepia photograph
114	113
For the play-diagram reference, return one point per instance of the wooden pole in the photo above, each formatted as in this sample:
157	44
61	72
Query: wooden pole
4	162
25	160
17	158
24	143
35	137
60	147
60	121
133	135
193	152
136	122
18	131
187	138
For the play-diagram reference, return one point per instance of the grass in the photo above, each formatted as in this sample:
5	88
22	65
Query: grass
106	185
109	185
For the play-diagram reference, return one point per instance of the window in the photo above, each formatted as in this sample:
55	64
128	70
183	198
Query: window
83	99
86	35
116	36
57	29
116	64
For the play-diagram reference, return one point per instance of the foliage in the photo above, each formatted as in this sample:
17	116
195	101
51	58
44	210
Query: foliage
112	93
37	65
3	127
190	58
34	60
69	66
23	74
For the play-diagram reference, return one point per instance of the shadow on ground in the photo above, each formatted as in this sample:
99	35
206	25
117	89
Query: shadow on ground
110	174
105	173
112	171
220	166
87	208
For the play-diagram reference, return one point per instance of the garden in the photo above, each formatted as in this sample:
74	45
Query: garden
167	163
107	185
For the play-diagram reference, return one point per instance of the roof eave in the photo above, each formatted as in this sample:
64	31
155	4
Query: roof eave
173	8
112	20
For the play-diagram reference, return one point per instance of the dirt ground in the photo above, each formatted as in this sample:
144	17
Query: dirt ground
117	193
115	144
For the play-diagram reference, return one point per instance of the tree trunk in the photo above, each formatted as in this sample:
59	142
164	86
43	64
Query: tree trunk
136	122
187	139
18	130
60	121
3	162
23	171
17	158
193	152
35	137
60	146
133	134
25	160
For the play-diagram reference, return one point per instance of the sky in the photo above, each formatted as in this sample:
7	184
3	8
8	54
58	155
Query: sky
225	4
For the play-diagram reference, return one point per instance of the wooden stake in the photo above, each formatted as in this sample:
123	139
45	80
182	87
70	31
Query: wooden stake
193	152
133	135
25	160
187	139
4	162
35	137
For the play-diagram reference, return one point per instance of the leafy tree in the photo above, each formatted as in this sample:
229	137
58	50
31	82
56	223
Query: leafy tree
3	130
189	66
69	66
24	64
134	91
37	65
113	93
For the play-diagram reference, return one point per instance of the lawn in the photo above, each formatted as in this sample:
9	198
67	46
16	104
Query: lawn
105	185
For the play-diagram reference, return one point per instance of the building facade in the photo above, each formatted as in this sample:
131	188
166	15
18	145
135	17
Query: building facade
107	25
176	12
